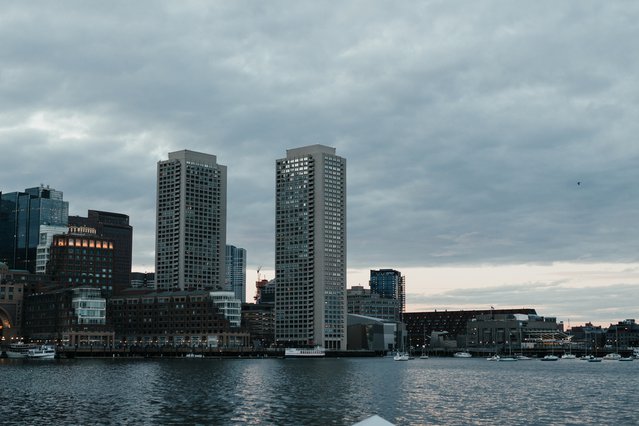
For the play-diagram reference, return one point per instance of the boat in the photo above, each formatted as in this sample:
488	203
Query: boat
523	358
424	356
493	358
401	356
315	352
626	358
507	359
194	355
568	356
43	352
550	358
19	350
612	357
462	354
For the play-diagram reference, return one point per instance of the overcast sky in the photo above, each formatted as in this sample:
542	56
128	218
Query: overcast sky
491	146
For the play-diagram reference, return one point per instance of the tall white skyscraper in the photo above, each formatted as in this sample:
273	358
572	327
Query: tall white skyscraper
191	222
310	248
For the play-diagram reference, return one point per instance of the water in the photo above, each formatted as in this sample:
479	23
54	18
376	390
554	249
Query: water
317	391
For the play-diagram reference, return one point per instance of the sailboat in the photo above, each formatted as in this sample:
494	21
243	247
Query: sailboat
423	355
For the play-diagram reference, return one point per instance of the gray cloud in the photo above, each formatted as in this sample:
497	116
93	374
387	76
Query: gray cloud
466	126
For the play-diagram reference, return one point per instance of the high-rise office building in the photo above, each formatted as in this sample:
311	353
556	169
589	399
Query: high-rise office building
191	222
236	271
390	284
21	216
114	226
310	248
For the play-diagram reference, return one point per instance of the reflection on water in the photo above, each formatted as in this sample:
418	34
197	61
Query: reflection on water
317	391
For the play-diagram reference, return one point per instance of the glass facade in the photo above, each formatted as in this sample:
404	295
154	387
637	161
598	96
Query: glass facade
236	271
21	216
390	284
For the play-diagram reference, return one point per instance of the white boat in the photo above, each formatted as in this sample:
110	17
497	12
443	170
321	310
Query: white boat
568	356
523	358
43	352
626	358
19	350
550	358
591	358
612	357
423	357
401	356
493	358
194	355
315	352
507	359
462	355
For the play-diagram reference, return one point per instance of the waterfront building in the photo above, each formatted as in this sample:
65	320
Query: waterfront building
11	297
43	251
22	214
389	284
420	325
623	335
363	301
236	271
115	227
228	305
82	260
191	222
69	317
503	333
143	280
371	334
175	318
259	321
310	248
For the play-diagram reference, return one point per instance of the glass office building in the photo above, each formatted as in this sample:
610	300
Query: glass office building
310	248
236	271
21	216
390	284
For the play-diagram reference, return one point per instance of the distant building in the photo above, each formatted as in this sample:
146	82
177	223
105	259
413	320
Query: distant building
176	318
82	260
259	321
362	301
265	292
116	227
43	252
144	280
191	222
11	304
420	325
372	334
503	333
310	248
229	305
236	271
389	284
22	214
67	317
623	335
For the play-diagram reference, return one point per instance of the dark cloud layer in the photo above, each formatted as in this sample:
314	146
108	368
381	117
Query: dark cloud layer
466	125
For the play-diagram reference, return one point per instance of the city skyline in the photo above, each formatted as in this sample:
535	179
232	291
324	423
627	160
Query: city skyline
491	153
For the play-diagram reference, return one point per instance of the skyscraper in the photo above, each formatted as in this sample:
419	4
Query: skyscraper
191	222
21	216
310	248
114	226
390	284
236	271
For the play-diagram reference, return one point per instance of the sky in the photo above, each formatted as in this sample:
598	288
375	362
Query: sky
491	146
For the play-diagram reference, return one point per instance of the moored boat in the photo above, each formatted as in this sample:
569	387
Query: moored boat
401	356
550	358
315	352
19	350
612	357
462	354
43	352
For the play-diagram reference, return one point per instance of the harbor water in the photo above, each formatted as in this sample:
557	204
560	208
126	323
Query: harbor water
329	391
